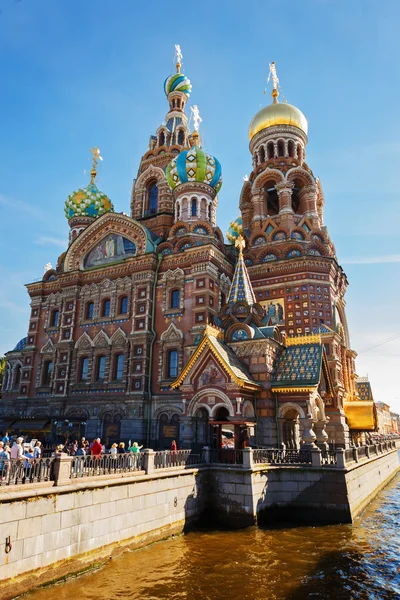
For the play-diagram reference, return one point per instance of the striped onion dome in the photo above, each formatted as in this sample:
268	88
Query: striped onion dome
194	165
178	82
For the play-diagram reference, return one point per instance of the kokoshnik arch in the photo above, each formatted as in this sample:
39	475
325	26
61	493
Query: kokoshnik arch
152	328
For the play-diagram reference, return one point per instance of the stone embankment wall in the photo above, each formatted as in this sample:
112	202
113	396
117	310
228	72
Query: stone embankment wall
60	530
297	493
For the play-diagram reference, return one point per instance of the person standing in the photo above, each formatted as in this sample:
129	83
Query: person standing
6	439
96	448
4	461
135	450
37	451
17	451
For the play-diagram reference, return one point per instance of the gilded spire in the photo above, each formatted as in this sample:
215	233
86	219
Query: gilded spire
241	288
96	157
275	82
178	58
196	124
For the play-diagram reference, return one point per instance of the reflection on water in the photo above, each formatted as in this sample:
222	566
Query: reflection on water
338	562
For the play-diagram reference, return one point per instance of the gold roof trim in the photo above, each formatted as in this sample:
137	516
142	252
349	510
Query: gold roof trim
291	390
214	330
303	339
196	354
360	415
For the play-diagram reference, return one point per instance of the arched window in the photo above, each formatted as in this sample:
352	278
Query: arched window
100	368
175	298
89	311
161	141
270	150
223	299
55	317
17	375
178	211
181	137
84	369
106	308
271	198
262	154
152	199
118	367
209	212
47	372
172	367
291	149
123	305
194	207
281	148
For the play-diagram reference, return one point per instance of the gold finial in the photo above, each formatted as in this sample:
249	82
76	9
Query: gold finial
96	157
240	244
178	57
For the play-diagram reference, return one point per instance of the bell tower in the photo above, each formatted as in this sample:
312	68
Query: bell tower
152	201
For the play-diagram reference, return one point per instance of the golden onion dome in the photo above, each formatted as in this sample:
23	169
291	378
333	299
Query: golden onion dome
277	113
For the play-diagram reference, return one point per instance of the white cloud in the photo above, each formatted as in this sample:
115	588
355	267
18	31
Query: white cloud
44	240
22	206
371	260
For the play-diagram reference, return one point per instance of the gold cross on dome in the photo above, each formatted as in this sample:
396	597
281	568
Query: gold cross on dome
240	244
96	157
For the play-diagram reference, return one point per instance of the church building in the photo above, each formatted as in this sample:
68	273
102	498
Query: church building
153	328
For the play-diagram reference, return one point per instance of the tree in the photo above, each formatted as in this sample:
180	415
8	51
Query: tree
2	370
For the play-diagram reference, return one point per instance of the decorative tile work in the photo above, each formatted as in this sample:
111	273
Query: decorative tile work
298	366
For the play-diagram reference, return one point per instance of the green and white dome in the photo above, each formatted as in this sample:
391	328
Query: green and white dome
87	202
194	165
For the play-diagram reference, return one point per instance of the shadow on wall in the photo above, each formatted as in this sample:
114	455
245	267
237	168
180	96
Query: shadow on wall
322	501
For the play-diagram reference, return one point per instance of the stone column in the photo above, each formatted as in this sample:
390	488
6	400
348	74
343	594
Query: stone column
322	436
259	209
247	458
308	199
62	469
284	190
309	436
148	460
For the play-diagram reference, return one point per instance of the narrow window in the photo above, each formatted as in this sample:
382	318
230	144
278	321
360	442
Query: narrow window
194	207
47	372
209	212
89	310
101	368
123	305
281	151
106	308
175	297
181	138
18	375
152	199
84	368
118	367
55	317
173	363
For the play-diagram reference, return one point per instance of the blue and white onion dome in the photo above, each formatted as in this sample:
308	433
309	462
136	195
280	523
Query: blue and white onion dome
194	165
87	202
235	229
178	82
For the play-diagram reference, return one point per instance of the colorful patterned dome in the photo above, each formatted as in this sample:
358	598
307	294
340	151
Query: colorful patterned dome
88	202
235	229
178	82
194	165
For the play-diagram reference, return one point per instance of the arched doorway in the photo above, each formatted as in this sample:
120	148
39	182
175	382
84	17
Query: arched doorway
168	430
111	429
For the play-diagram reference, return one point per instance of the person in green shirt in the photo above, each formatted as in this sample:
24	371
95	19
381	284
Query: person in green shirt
135	450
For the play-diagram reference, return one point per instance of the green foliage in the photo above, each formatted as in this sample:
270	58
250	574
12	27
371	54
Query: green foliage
2	369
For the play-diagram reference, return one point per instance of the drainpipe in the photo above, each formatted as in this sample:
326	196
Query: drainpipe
149	390
278	433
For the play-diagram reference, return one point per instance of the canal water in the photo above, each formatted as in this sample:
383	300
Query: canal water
337	562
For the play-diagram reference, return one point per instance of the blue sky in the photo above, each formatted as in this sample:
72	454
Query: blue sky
76	74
